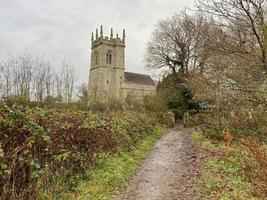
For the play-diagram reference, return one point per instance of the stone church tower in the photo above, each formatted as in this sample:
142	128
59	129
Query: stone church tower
108	78
107	66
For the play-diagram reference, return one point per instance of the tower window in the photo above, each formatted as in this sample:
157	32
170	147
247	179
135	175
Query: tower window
95	58
109	58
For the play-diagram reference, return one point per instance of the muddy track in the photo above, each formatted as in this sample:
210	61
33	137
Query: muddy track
170	172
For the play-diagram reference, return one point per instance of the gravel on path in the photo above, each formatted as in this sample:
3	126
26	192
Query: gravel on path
170	172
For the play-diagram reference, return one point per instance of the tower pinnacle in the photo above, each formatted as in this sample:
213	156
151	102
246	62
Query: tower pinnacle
101	31
111	33
96	34
123	35
92	38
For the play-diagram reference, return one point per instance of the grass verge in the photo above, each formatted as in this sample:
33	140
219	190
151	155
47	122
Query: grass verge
112	172
230	173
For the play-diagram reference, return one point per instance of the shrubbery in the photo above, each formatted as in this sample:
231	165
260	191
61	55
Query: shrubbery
173	92
38	142
243	122
236	139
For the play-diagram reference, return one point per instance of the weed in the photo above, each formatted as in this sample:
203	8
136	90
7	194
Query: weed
231	172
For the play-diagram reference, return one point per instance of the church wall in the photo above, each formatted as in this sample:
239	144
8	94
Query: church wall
137	92
105	83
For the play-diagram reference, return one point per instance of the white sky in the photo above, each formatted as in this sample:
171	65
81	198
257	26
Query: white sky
61	29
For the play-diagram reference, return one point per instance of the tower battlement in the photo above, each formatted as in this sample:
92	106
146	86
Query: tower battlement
100	38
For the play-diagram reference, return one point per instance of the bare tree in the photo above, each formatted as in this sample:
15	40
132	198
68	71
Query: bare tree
245	19
83	94
180	43
42	79
48	81
17	76
33	77
2	81
221	48
6	79
239	52
66	81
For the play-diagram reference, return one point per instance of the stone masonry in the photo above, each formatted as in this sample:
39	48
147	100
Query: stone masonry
108	79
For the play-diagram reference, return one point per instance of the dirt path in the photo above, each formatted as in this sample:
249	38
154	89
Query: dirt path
170	172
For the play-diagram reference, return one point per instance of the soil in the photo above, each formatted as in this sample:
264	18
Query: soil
170	172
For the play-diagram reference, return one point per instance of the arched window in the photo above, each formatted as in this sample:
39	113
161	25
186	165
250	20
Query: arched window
96	58
109	58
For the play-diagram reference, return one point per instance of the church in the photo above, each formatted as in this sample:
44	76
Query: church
108	78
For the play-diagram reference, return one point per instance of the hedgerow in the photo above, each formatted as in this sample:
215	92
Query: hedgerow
38	142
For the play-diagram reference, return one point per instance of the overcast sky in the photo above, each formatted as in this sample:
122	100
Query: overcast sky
57	29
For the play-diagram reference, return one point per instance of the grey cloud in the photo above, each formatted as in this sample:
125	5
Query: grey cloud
58	29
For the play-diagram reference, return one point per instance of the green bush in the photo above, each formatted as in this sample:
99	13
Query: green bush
21	100
176	96
39	142
166	118
215	131
243	122
109	105
155	104
25	144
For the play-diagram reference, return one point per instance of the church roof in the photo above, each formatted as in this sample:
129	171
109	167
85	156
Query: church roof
140	79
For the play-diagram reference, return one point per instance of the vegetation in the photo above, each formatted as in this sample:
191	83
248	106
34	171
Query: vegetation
113	172
174	94
233	172
236	154
31	78
52	147
45	151
219	51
